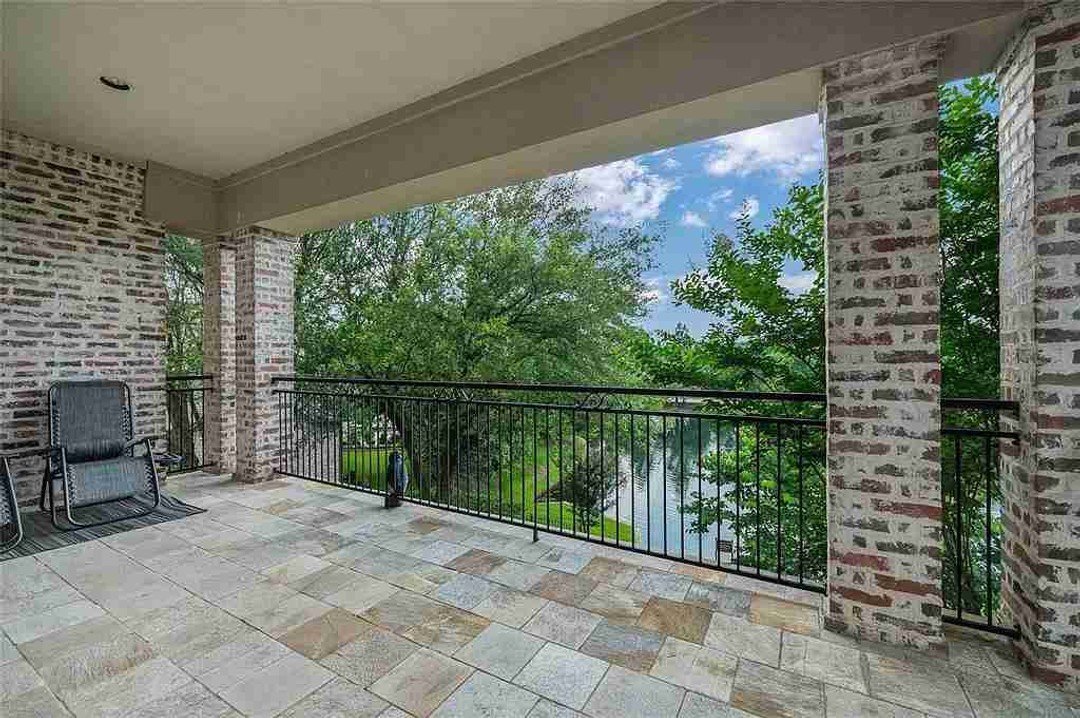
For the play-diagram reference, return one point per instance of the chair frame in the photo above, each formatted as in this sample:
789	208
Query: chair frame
9	495
57	460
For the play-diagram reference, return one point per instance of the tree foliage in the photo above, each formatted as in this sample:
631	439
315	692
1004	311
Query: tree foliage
183	305
512	284
765	335
967	139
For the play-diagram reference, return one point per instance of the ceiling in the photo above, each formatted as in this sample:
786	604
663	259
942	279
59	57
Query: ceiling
220	87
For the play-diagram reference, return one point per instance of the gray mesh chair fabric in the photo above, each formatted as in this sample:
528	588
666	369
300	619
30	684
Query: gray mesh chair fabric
93	457
11	531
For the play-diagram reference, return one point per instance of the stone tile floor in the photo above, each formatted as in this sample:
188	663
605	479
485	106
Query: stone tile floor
299	599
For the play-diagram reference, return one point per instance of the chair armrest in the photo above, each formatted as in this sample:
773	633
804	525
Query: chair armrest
145	440
142	439
28	453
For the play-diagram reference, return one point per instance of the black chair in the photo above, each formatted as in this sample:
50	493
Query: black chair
11	530
92	457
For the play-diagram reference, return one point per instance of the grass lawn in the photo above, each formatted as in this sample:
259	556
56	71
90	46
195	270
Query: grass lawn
367	468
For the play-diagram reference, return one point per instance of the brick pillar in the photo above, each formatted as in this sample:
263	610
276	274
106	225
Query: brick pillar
219	351
264	344
880	118
1039	155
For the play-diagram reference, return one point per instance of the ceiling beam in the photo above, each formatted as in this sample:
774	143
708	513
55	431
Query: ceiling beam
652	63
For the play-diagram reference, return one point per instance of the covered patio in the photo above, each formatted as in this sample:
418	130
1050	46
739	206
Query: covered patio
246	126
291	598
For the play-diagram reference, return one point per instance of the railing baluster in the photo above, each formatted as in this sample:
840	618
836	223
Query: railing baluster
682	490
757	496
615	438
959	560
738	499
799	440
987	490
603	478
663	434
633	484
779	499
700	495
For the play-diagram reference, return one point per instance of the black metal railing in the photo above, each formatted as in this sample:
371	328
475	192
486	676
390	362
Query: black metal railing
185	434
972	510
730	480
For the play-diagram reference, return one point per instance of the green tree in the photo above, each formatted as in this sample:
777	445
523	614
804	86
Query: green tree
512	284
183	305
770	338
764	336
515	284
967	139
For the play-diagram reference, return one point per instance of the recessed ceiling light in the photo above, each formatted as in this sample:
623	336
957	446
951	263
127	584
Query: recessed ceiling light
114	83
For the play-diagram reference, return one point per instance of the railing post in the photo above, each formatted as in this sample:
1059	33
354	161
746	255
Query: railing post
264	344
880	116
219	352
1040	338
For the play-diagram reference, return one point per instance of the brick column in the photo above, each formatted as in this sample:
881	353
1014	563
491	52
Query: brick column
1039	140
264	344
880	117
219	351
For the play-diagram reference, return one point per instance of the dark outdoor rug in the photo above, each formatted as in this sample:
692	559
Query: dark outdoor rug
40	535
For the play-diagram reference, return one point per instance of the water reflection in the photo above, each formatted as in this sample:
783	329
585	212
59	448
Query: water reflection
669	470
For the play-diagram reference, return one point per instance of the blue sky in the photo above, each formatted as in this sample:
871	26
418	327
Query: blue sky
687	193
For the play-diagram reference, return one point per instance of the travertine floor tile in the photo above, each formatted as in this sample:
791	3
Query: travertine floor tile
771	693
564	560
464	591
609	571
477	562
793	617
324	634
516	574
828	662
627	646
564	588
484	695
696	668
402	611
562	675
274	688
922	686
369	656
716	597
618	605
37	703
626	694
22	630
546	709
563	624
510	606
500	650
744	639
661	583
338	699
360	595
448	630
698	706
842	703
421	682
675	618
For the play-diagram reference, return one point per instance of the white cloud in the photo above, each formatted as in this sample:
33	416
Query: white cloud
624	193
750	206
693	219
655	290
797	283
718	197
787	149
670	163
